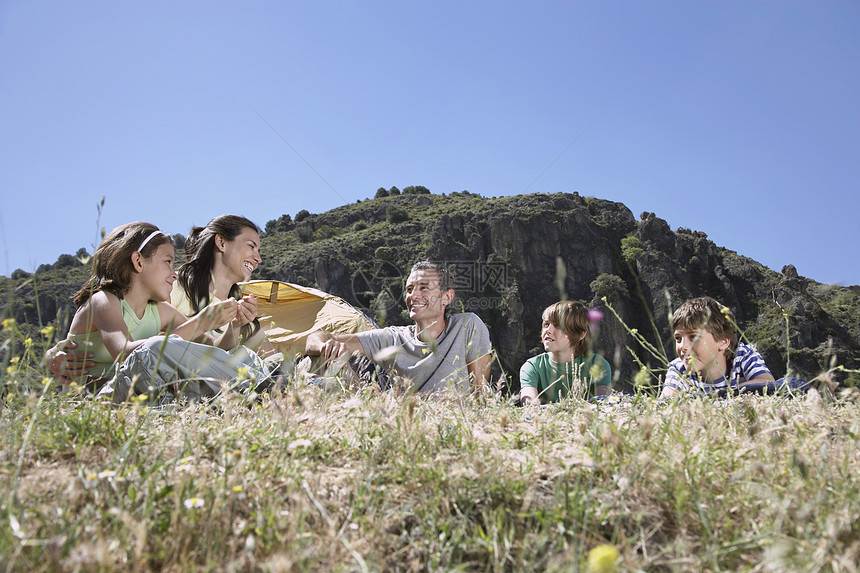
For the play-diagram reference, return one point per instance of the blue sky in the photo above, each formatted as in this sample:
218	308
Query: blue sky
739	119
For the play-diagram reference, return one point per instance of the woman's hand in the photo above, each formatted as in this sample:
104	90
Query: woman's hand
246	310
66	363
217	314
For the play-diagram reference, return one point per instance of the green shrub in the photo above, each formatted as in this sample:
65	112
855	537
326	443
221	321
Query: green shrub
631	249
396	214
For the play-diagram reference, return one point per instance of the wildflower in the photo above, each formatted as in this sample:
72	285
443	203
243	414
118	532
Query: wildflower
302	443
47	331
193	502
9	323
237	489
242	373
106	474
594	315
28	342
602	559
90	481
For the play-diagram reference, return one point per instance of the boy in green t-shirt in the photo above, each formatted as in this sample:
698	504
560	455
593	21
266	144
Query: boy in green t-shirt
567	366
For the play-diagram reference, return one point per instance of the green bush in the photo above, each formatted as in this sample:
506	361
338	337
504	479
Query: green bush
396	214
631	249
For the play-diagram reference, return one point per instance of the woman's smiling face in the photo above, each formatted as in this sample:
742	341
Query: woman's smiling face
242	254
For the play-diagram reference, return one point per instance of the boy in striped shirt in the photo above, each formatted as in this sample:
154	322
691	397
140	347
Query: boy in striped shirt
706	341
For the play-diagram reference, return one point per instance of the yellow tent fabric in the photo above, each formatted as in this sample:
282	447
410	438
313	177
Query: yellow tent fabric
290	312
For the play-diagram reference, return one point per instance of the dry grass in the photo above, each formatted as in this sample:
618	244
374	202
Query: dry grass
306	480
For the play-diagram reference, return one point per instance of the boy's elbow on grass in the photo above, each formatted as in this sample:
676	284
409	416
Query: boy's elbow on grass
668	392
529	396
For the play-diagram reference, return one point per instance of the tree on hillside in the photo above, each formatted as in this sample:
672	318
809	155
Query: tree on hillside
281	224
381	192
416	190
302	215
394	191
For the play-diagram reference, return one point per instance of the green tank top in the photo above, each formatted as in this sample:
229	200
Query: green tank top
148	325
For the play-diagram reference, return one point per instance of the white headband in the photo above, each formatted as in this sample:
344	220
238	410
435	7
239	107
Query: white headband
149	238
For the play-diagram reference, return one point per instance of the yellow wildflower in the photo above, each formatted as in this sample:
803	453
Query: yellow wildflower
9	323
602	559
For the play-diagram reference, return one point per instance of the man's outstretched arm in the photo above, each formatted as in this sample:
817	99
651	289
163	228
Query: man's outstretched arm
331	346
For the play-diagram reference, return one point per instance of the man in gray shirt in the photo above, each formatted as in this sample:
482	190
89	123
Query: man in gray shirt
436	352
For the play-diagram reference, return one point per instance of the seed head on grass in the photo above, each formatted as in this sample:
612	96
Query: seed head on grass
642	378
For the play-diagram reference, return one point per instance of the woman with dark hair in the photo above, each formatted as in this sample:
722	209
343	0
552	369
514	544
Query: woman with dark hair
218	256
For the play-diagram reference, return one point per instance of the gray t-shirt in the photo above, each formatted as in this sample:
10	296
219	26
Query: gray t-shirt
431	367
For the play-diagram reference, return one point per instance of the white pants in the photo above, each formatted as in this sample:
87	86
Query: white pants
170	368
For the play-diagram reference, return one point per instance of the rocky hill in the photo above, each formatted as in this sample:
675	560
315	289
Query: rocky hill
512	256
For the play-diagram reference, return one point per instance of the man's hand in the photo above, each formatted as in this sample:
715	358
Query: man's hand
66	363
330	346
332	349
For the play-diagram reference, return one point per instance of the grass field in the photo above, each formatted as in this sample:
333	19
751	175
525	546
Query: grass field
304	480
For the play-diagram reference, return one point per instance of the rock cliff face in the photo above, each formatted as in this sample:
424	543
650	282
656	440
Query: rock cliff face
513	256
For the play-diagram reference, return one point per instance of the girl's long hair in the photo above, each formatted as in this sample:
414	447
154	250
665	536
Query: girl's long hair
195	275
112	268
